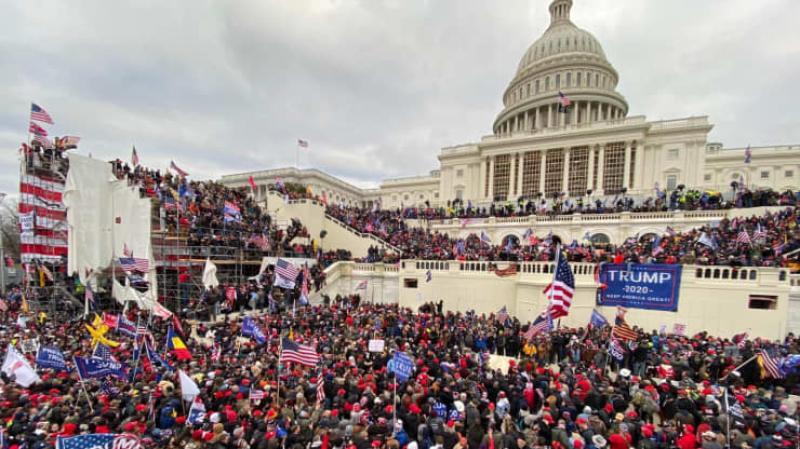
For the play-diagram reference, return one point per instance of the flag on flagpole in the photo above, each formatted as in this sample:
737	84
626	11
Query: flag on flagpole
561	290
134	157
285	274
362	286
743	237
564	102
542	323
197	412
252	183
16	366
598	320
33	128
210	275
40	115
295	352
621	329
189	389
177	169
177	345
748	155
770	365
320	388
302	143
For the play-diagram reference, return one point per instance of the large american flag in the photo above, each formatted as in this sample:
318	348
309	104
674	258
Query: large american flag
41	203
286	269
39	114
562	289
295	352
129	264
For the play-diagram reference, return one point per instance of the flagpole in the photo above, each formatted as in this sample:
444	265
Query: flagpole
740	366
135	343
83	386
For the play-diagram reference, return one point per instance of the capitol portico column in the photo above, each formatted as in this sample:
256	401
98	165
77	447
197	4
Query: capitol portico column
537	123
565	171
626	169
525	124
521	156
491	178
549	115
575	114
600	171
542	171
588	112
590	169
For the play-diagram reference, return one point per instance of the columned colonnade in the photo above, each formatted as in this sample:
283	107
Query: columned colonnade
548	116
605	168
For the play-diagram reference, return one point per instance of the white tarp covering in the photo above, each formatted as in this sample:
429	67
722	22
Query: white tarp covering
104	214
126	293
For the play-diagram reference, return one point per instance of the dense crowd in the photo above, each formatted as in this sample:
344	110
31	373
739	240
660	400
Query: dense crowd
754	241
561	389
214	216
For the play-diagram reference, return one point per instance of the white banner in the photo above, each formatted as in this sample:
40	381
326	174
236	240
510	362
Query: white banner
376	345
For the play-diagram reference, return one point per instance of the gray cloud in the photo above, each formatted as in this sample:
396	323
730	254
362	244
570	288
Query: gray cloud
377	87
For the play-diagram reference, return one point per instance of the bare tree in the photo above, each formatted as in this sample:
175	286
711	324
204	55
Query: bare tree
9	226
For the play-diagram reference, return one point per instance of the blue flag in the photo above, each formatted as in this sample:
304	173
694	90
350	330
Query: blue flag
51	357
98	369
126	326
155	357
99	441
598	320
251	329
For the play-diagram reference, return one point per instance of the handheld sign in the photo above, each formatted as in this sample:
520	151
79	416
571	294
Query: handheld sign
402	366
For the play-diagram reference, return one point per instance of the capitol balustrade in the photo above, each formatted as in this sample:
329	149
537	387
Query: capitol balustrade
616	226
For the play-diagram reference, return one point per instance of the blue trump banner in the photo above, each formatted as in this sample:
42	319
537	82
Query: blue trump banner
639	286
402	366
99	441
98	368
50	357
251	329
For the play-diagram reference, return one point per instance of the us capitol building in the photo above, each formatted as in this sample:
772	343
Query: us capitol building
537	149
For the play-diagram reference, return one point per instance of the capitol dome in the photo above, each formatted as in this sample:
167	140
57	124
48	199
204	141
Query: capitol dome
564	59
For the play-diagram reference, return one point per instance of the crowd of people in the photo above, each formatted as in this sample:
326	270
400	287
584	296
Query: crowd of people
559	389
754	241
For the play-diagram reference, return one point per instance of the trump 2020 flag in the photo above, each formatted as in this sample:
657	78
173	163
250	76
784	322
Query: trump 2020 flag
197	412
16	366
189	389
251	329
91	368
99	441
598	320
51	357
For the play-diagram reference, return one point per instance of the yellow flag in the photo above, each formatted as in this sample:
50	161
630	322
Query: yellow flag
98	336
25	307
41	278
97	321
291	333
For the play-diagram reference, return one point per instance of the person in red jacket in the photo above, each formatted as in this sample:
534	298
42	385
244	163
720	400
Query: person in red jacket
688	440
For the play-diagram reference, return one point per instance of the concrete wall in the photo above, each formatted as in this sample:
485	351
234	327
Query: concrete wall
717	305
342	278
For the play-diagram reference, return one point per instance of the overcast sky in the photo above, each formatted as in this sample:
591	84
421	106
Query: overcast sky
377	88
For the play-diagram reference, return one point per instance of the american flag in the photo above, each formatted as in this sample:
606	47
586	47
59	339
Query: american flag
216	353
44	141
361	285
743	237
295	352
36	129
256	395
134	157
542	323
759	233
565	101
740	340
177	169
39	114
302	143
103	352
562	289
286	269
621	329
502	315
320	389
130	264
770	365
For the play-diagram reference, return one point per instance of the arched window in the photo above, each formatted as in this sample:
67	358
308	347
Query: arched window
510	238
600	239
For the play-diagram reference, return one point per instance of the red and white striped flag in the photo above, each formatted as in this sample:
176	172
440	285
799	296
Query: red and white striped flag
33	128
302	143
743	237
177	169
562	289
134	157
320	388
